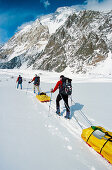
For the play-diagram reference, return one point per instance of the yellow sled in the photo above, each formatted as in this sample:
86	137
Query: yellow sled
100	140
42	97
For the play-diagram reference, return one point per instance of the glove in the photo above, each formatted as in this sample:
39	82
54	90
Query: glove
51	90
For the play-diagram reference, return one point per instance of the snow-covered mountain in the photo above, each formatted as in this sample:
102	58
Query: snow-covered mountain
28	43
83	41
23	46
67	38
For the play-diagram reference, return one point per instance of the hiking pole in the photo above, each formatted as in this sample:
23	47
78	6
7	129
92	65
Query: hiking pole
47	92
27	88
50	105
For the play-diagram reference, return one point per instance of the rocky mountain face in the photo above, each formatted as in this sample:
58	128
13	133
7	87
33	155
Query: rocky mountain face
83	41
23	46
79	40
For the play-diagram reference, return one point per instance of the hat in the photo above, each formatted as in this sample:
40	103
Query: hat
61	76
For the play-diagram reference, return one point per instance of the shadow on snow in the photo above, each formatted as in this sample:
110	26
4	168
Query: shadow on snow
73	108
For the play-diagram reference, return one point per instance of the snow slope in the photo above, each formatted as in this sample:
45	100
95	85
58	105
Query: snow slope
34	138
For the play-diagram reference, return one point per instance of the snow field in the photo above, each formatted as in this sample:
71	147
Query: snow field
33	138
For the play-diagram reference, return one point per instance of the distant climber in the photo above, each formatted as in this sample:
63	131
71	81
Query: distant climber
65	89
19	81
36	83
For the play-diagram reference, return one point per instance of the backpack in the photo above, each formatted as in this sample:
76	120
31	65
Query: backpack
37	81
20	80
66	87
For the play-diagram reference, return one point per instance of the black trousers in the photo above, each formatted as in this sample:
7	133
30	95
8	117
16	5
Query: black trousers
65	98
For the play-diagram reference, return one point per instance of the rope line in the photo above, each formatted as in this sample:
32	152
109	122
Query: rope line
84	116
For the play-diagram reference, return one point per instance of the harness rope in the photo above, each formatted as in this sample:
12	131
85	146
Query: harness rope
84	116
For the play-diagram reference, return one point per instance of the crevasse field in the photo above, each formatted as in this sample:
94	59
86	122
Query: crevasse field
34	138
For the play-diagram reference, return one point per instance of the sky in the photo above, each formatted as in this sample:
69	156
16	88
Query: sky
14	13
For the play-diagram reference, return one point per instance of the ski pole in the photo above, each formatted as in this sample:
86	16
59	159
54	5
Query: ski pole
27	88
47	92
50	104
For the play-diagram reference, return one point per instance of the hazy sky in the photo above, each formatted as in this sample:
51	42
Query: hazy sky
14	13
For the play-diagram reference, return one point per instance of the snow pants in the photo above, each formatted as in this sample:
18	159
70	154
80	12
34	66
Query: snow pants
18	85
36	87
65	98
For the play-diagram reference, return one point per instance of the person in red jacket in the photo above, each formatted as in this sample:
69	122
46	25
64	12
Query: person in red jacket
61	96
19	81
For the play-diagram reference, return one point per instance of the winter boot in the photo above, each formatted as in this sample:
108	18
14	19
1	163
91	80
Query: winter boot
58	111
67	115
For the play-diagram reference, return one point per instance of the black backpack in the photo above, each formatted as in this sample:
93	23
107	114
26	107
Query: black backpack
20	80
37	81
66	87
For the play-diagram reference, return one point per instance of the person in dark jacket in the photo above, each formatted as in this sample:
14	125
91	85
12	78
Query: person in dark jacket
19	81
61	96
36	83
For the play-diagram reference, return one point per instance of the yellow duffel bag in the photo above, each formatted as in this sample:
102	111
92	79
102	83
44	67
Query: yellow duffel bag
42	97
100	140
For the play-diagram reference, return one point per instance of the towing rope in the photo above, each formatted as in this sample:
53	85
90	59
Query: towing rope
84	116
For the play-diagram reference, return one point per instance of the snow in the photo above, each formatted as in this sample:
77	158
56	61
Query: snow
34	138
54	21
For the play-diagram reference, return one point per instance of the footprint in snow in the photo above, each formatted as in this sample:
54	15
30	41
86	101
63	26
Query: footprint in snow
69	148
67	139
49	126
